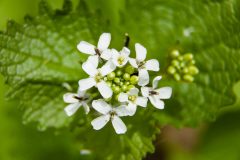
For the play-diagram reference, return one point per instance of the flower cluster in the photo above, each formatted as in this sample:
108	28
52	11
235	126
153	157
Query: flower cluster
116	84
182	67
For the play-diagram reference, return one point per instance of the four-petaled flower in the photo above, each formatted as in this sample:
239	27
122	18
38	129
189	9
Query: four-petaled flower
120	58
109	113
133	100
101	51
156	94
142	65
96	77
76	100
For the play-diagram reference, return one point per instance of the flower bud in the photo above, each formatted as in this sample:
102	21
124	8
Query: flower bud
171	70
134	79
126	76
188	56
111	76
188	78
129	69
117	80
174	54
177	77
193	70
119	73
116	89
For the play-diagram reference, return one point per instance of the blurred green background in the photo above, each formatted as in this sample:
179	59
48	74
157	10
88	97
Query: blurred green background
217	141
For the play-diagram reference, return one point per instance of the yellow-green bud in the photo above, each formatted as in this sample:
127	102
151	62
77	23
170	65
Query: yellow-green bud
188	78
177	77
130	87
116	89
117	80
180	58
188	56
109	83
192	62
119	73
193	70
175	63
129	69
111	76
174	54
185	70
134	79
124	88
121	83
126	76
171	70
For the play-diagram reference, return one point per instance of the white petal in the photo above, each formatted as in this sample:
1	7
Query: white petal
125	52
85	84
133	62
123	97
93	60
133	91
106	54
72	108
152	65
89	68
104	89
107	68
100	122
86	48
86	107
69	98
155	81
104	41
118	125
143	77
131	108
156	102
141	101
164	92
145	91
101	106
141	52
121	111
81	93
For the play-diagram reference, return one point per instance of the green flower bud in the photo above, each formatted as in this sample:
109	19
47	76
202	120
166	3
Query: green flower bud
117	80
175	63
130	87
111	76
119	73
193	70
171	70
188	78
177	77
188	56
134	79
129	69
180	58
126	76
127	83
116	89
185	70
182	64
192	62
174	54
121	83
124	88
105	78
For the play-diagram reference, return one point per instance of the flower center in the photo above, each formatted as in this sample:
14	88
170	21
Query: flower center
153	92
121	60
98	77
141	64
132	98
80	98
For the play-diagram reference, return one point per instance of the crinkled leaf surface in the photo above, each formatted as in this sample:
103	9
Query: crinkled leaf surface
37	57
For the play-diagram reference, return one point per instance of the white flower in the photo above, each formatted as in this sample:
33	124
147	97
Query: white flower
76	100
102	47
142	65
96	77
120	58
155	95
132	98
109	113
